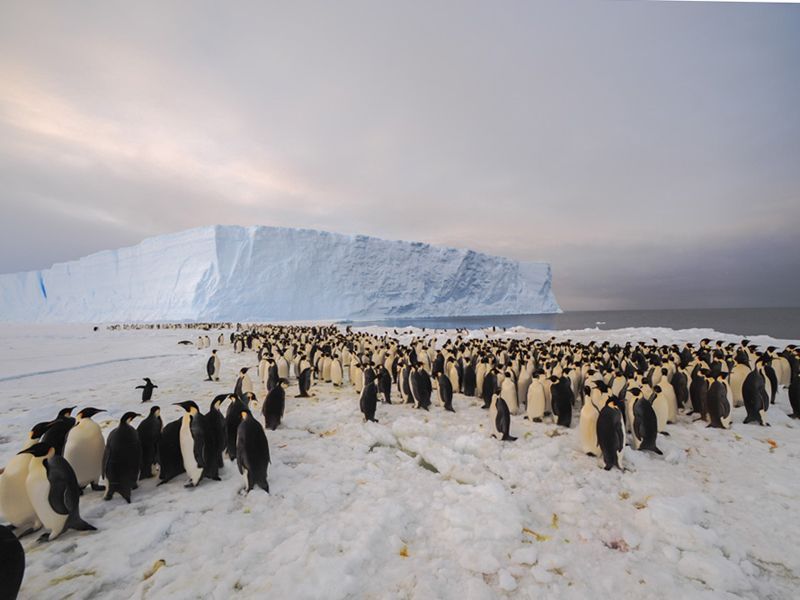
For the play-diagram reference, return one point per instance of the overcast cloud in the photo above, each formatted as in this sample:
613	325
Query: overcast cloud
649	151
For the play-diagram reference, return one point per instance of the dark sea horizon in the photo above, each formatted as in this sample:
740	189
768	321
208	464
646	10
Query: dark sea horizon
782	323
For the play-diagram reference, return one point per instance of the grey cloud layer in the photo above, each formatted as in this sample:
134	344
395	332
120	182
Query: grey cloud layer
648	150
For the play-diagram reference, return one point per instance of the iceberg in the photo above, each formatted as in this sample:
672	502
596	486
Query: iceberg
233	273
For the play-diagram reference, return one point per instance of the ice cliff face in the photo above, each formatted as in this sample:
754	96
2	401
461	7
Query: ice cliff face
230	273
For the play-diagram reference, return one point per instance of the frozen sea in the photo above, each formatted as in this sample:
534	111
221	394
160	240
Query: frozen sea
419	505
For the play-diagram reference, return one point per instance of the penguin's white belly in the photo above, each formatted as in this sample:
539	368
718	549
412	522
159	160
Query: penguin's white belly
509	394
283	369
672	401
327	369
247	385
588	430
662	411
187	452
84	452
15	506
336	373
38	490
536	401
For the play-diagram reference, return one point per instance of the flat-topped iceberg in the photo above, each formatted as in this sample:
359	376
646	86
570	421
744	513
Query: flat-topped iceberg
232	273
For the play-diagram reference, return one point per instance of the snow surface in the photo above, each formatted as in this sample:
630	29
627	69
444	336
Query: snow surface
230	273
420	505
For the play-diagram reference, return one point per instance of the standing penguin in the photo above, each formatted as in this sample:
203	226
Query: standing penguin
508	391
233	417
446	392
794	395
611	433
719	409
216	438
645	426
502	421
192	442
698	392
421	387
149	431
587	425
243	383
385	384
252	452
562	399
213	367
755	397
15	505
147	389
488	388
661	406
304	382
53	491
369	401
170	459
469	380
12	564
84	449
275	405
122	459
536	401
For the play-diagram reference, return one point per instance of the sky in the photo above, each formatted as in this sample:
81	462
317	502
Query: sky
650	151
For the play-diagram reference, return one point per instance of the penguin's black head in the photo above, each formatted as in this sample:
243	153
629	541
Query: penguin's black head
283	382
213	352
39	450
147	379
243	370
657	389
89	412
39	429
155	410
664	370
129	416
65	412
187	405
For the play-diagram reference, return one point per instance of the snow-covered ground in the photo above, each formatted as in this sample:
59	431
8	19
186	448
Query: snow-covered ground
420	505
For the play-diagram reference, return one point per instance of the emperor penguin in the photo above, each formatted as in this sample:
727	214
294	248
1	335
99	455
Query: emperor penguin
756	398
738	374
147	389
661	406
645	426
336	371
384	381
523	384
327	363
122	459
508	391
404	384
243	383
233	418
446	392
283	367
535	401
369	401
252	452
587	425
192	442
170	459
149	431
470	382
84	449
669	395
562	399
304	379
275	405
53	491
611	433
421	387
216	438
213	367
489	388
794	395
718	403
15	505
12	564
502	421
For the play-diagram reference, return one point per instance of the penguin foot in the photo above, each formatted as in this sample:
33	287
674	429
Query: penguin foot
666	433
45	537
537	419
189	485
97	488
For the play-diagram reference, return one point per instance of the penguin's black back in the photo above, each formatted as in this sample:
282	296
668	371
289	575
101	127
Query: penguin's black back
252	453
610	436
12	564
274	405
169	452
233	416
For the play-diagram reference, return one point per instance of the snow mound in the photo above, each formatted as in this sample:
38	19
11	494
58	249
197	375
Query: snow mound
231	273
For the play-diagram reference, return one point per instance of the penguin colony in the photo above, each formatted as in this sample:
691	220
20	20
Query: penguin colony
624	393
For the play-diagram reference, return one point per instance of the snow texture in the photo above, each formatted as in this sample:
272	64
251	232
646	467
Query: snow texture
231	273
419	505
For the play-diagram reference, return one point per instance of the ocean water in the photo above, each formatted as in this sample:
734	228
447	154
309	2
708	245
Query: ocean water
783	323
